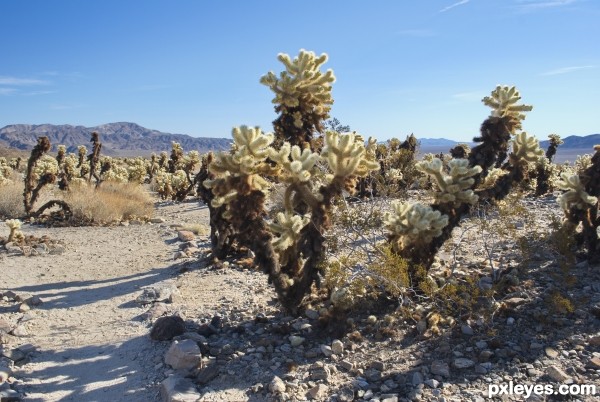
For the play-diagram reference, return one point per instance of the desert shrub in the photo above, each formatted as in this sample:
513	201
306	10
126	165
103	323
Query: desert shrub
11	199
111	202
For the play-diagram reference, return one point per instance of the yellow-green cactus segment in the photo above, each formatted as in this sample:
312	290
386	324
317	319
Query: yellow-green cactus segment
454	188
526	149
297	165
347	155
413	224
287	227
576	196
503	101
46	165
247	158
14	225
251	148
302	82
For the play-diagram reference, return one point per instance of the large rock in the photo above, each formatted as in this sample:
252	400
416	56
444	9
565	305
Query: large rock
183	355
166	328
177	389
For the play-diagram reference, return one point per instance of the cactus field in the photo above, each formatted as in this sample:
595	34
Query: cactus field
307	262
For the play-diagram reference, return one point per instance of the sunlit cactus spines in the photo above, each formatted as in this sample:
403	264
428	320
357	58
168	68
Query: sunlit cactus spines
14	225
455	187
295	164
413	225
302	97
525	149
503	101
575	195
286	228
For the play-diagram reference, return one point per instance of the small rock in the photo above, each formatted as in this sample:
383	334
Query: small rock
337	347
159	293
551	353
166	328
5	373
417	378
157	220
318	391
277	386
378	365
24	307
311	314
594	341
19	331
177	389
326	350
186	235
296	340
557	374
157	310
183	355
466	330
319	372
510	321
440	368
432	383
207	374
594	363
463	363
346	365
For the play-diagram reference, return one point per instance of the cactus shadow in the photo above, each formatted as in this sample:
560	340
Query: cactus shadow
116	372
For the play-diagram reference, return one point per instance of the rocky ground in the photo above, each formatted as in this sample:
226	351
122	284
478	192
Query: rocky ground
136	313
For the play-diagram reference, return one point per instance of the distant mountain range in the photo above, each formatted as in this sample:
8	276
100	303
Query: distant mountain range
130	139
571	142
118	139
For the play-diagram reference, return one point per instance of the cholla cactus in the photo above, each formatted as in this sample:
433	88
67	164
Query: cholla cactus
302	96
575	195
136	170
47	165
5	172
82	153
503	101
454	188
176	157
290	248
525	149
15	234
413	225
287	227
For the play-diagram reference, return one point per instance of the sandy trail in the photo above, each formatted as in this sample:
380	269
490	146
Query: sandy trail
90	344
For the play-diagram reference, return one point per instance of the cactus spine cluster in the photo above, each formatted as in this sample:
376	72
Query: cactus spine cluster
302	97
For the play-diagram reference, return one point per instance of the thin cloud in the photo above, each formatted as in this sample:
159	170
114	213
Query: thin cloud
567	70
451	6
15	81
7	91
35	93
533	5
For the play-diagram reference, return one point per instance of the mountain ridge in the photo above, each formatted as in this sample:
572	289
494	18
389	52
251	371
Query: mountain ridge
118	139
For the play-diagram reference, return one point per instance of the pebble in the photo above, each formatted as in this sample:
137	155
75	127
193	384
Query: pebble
556	374
277	386
440	368
463	363
337	347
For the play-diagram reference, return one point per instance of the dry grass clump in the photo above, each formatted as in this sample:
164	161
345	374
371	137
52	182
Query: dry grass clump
11	200
110	202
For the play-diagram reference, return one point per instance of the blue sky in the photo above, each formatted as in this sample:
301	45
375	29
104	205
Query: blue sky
402	66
